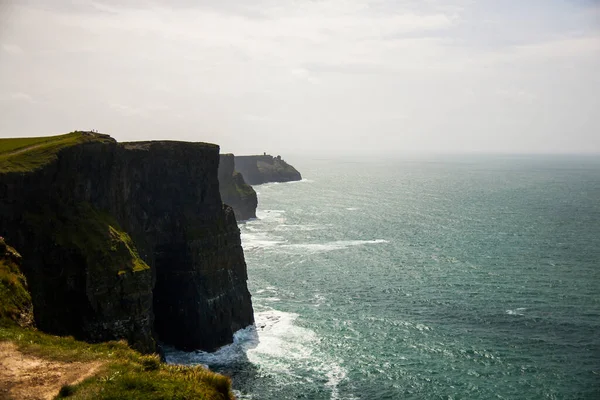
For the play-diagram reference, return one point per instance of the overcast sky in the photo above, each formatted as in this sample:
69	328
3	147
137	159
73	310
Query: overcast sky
374	76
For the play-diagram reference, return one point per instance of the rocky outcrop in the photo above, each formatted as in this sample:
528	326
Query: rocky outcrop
129	241
262	169
235	191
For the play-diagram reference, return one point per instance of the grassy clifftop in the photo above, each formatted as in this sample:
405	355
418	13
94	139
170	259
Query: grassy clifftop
27	154
123	373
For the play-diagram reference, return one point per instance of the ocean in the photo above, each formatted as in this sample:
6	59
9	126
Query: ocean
422	277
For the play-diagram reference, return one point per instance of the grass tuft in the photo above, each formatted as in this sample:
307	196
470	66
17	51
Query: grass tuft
151	362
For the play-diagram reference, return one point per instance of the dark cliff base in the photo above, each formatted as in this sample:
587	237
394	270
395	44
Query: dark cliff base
125	240
235	191
262	169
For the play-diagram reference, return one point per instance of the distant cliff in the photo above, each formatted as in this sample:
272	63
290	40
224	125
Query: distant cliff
262	169
125	240
235	192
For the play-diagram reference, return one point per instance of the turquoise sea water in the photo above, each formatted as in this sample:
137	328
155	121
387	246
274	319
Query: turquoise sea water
457	277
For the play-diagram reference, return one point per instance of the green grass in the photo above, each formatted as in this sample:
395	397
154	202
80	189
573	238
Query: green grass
126	374
15	300
120	241
27	154
12	144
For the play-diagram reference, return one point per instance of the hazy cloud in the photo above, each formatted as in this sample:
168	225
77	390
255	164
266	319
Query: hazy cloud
11	49
375	75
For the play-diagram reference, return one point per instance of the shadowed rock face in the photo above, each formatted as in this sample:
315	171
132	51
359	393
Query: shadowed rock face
262	169
235	191
127	240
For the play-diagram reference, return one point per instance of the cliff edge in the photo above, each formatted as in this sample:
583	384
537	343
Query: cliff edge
125	240
262	169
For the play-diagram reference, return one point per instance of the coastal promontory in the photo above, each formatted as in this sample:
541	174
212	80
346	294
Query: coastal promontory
125	240
266	168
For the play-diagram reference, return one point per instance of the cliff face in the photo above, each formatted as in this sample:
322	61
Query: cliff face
124	240
235	191
170	204
266	168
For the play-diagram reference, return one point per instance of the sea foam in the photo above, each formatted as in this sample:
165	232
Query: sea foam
330	246
277	345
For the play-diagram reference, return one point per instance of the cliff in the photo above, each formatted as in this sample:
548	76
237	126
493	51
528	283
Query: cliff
125	240
262	169
235	191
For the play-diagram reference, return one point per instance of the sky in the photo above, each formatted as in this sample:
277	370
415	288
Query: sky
307	77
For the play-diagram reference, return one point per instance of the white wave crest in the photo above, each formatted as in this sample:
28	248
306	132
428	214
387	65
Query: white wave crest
298	227
268	216
303	180
259	240
334	376
330	246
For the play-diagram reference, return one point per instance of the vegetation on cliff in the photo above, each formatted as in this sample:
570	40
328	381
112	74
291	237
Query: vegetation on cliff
15	300
26	154
85	274
92	233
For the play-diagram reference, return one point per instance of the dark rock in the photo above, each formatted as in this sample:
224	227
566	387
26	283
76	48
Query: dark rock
262	169
235	191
